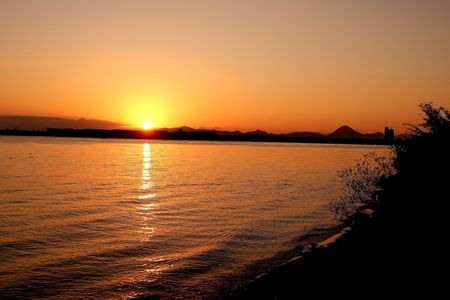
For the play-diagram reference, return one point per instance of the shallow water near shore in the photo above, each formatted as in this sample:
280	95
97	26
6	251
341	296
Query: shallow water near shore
92	218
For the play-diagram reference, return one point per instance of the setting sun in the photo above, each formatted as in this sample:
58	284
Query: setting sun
147	125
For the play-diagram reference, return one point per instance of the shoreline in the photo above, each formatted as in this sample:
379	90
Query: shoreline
308	243
258	270
196	136
318	269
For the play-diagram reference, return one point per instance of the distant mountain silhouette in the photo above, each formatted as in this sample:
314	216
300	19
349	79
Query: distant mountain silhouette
221	132
41	123
258	132
345	132
224	132
183	128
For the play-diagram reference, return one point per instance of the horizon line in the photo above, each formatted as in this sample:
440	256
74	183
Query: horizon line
123	126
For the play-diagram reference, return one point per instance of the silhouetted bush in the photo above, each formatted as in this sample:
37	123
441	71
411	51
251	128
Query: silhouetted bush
361	184
409	186
420	187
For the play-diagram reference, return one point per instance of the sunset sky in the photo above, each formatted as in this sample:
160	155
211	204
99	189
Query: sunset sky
281	65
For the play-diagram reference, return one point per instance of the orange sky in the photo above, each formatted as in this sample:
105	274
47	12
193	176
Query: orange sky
273	65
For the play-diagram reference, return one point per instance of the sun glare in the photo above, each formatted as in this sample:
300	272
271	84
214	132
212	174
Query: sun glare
147	125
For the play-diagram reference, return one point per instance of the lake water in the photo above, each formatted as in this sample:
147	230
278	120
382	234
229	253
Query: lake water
117	219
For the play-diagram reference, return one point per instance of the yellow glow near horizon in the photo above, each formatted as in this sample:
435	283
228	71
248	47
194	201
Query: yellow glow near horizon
147	125
145	109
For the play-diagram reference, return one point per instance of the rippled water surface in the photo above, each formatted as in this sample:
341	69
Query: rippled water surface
92	218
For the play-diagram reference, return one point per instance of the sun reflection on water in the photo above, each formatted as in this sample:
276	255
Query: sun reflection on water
146	210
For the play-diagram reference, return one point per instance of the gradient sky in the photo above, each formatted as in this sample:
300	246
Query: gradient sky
274	65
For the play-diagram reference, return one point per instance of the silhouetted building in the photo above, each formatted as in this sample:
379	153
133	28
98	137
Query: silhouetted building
388	134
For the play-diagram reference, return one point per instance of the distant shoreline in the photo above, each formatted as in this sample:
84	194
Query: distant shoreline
190	136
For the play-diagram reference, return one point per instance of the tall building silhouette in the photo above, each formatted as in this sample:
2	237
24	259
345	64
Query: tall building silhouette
388	134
